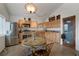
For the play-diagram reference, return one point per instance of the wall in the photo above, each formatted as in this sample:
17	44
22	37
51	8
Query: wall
3	14
16	18
3	11
69	9
2	33
2	43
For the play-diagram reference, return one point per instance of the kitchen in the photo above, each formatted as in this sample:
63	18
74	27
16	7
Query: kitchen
35	31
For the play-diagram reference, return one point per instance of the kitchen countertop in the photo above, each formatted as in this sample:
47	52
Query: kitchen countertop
43	29
35	42
53	29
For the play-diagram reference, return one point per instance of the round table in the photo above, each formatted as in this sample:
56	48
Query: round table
35	45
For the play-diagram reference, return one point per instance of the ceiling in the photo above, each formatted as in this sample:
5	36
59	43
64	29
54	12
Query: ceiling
43	10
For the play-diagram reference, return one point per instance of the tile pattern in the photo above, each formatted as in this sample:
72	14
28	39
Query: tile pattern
56	50
16	50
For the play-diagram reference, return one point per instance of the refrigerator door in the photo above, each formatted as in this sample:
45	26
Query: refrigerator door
14	34
11	34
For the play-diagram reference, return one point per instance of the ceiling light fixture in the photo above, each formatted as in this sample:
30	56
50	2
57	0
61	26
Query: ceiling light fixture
30	7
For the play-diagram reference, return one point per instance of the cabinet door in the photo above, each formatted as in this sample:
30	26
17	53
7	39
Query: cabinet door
57	37
55	24
52	37
47	37
33	24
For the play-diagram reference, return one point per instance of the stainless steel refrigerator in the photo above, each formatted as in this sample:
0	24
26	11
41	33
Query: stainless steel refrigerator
11	37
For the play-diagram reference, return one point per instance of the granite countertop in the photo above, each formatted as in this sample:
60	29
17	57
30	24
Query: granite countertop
37	41
53	29
43	29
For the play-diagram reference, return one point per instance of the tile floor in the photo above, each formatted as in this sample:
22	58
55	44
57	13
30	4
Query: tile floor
57	50
16	50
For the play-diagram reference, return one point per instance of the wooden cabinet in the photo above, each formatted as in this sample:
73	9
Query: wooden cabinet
52	24
33	24
47	37
52	37
22	24
56	24
46	24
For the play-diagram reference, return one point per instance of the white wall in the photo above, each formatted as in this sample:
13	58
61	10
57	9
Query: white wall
77	32
2	33
16	18
69	9
3	14
3	11
2	43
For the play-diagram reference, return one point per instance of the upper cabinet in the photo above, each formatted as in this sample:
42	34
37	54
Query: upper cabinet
54	22
25	23
33	24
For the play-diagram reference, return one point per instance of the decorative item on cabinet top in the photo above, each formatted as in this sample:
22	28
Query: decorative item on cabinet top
51	18
54	18
58	17
29	19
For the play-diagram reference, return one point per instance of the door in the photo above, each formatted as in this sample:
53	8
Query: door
69	31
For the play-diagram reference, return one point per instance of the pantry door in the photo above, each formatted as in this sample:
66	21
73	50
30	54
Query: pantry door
69	31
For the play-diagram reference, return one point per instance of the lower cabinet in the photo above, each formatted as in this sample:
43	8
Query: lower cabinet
52	37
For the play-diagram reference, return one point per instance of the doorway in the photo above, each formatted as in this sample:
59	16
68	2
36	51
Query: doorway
69	31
